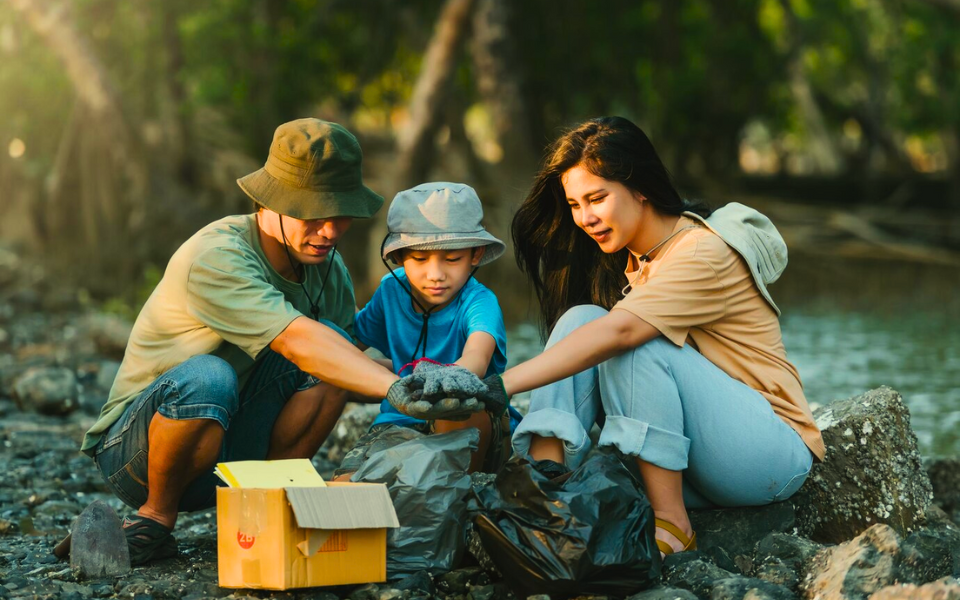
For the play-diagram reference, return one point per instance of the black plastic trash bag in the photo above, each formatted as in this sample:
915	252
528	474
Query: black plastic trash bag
591	532
428	482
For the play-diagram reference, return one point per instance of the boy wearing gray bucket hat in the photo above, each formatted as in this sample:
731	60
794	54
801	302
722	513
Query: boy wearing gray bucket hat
432	308
243	351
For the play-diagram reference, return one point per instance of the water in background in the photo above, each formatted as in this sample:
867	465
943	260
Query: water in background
850	326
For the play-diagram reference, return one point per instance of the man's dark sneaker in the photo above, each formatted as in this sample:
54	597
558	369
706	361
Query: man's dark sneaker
148	540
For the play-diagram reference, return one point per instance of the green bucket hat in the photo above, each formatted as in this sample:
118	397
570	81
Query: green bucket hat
313	171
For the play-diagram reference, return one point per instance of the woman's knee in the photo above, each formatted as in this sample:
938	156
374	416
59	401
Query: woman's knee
576	317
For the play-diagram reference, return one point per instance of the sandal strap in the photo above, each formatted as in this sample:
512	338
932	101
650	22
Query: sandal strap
147	539
689	543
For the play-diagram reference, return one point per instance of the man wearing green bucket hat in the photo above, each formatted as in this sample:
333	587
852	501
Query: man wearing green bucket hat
243	351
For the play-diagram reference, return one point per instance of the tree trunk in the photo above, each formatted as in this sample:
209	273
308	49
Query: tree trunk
416	141
96	192
825	154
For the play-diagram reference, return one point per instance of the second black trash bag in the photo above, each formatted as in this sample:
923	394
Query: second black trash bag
428	482
591	532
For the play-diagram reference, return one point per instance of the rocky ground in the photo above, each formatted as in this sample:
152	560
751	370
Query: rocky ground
872	522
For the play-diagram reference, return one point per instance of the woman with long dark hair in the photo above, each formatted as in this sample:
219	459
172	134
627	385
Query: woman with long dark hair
661	330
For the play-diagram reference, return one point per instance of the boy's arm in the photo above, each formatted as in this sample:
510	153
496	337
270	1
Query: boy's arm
477	353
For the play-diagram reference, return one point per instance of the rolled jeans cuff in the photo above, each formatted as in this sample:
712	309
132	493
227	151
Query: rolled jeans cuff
651	444
551	423
213	412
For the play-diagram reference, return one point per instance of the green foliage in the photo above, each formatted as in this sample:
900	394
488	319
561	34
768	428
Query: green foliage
131	300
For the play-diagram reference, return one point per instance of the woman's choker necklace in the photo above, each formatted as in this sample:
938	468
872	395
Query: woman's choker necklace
643	259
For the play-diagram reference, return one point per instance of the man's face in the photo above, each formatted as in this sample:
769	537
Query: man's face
437	275
310	242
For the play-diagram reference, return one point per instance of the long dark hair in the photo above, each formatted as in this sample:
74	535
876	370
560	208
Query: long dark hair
567	266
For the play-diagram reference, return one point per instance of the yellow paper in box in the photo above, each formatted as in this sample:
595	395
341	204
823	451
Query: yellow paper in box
269	474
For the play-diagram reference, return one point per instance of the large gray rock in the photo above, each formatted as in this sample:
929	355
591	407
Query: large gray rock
48	390
109	333
879	558
855	569
355	422
945	479
729	535
872	472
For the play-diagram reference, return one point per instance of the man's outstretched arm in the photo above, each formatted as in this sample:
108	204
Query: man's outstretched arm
328	356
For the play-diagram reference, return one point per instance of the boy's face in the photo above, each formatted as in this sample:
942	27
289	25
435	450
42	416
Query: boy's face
437	275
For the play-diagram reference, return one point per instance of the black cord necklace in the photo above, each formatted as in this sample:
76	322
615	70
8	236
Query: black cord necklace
425	312
314	304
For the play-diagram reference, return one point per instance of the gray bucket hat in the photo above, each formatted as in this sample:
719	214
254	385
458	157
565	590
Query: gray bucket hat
755	238
439	216
313	171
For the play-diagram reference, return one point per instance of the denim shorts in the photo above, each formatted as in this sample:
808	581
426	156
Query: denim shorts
202	387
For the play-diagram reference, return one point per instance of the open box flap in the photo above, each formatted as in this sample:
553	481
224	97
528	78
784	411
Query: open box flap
343	507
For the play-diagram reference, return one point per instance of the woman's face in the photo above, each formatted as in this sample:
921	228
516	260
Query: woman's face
610	212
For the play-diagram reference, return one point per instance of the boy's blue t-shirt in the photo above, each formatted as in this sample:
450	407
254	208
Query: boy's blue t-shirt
389	323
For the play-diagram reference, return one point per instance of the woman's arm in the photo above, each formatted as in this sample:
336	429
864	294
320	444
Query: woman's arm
585	347
477	353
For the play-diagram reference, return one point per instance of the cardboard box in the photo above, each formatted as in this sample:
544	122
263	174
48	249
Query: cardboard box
295	537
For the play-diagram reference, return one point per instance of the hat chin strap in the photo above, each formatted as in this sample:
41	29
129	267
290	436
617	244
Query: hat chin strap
426	312
314	304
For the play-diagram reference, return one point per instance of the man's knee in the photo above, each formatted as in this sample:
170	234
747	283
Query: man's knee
206	388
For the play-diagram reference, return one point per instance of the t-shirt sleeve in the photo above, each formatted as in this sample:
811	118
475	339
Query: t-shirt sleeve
483	314
229	293
370	326
684	292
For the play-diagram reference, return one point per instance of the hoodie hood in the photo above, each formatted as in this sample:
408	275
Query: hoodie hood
754	238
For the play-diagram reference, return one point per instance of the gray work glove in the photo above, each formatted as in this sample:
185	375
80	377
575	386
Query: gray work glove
426	394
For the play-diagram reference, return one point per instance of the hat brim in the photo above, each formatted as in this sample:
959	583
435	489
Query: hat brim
448	241
739	247
360	202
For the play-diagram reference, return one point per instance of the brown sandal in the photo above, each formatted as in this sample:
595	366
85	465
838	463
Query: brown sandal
688	543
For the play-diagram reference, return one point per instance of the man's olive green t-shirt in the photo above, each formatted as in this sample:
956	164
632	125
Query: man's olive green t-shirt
219	295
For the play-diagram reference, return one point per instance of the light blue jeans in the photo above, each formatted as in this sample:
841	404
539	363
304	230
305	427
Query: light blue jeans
671	407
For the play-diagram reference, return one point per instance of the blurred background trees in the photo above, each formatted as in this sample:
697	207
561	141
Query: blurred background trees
123	125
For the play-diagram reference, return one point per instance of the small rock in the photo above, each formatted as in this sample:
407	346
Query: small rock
98	547
369	591
696	575
48	390
456	582
945	589
779	558
664	593
419	582
854	569
736	588
929	555
872	472
727	534
109	333
107	373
